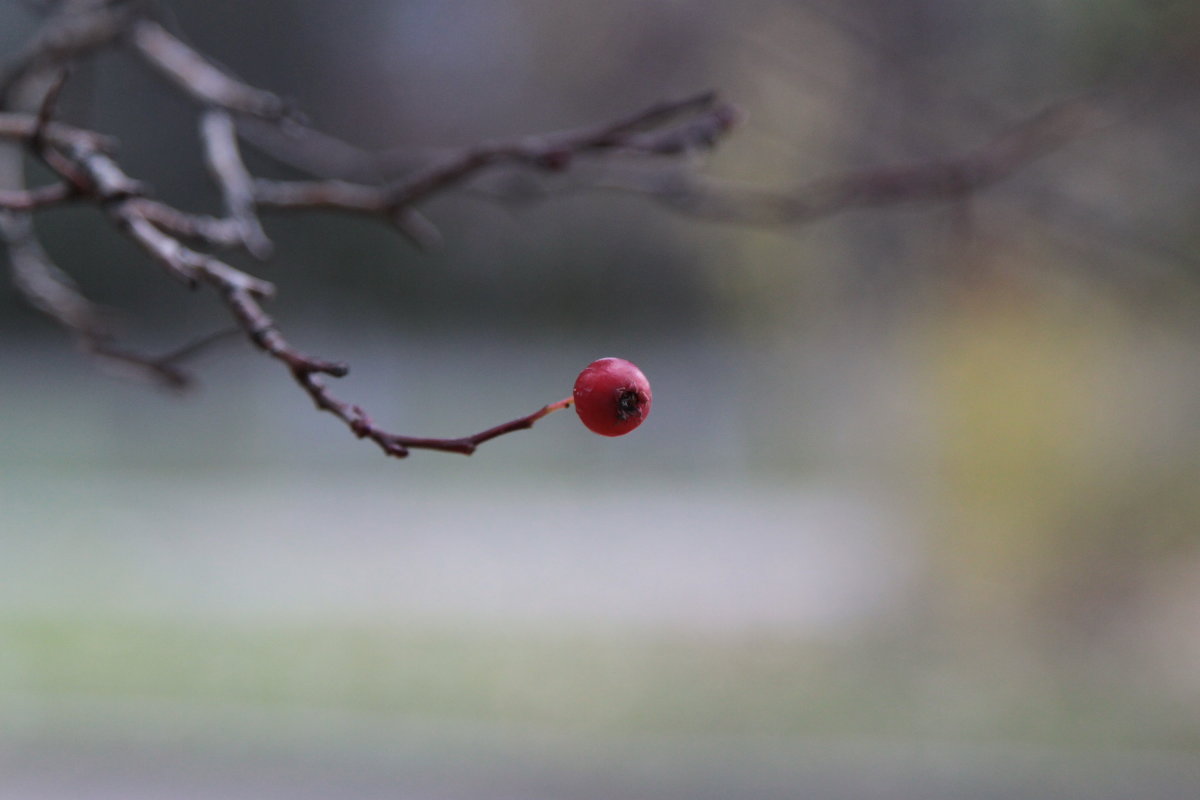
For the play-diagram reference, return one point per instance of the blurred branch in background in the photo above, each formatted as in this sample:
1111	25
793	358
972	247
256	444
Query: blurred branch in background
948	179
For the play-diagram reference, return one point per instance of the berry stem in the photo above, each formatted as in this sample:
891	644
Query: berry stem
521	423
467	444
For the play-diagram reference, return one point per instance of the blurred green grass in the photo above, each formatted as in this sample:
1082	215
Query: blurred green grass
581	682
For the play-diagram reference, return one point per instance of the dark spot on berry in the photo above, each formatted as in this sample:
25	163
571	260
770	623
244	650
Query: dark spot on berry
629	404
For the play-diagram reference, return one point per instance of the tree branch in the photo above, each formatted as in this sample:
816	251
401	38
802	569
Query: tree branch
24	127
42	197
643	133
78	29
50	290
237	187
934	181
242	294
201	79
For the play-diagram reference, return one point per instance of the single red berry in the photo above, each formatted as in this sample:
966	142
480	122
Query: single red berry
612	396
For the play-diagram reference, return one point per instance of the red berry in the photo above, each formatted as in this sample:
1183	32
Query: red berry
612	396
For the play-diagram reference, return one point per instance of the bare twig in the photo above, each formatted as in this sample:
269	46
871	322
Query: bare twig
237	187
165	370
323	155
41	197
46	287
42	147
305	371
198	228
554	151
193	348
50	290
23	128
932	181
467	444
78	29
636	134
201	79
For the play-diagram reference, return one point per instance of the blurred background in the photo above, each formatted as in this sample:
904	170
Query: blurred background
915	516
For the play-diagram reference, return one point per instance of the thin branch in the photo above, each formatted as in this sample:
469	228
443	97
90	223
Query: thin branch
24	127
467	444
202	229
53	292
940	180
638	134
44	285
195	347
164	370
42	197
555	151
76	30
121	195
305	371
39	143
237	187
200	78
182	262
323	155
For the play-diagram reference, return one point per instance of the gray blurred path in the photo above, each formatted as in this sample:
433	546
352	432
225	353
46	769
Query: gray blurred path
699	556
179	752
